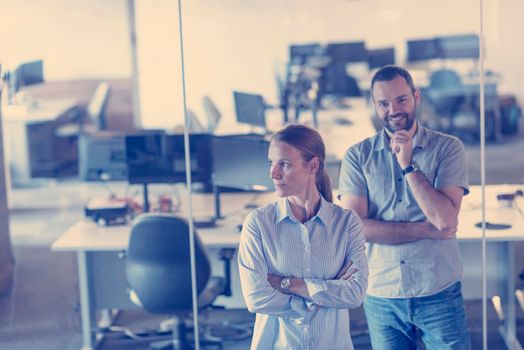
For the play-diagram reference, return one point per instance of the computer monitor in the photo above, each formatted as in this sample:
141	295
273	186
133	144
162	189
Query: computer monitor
298	53
102	157
336	81
381	57
348	52
459	46
422	50
250	109
160	158
28	74
240	161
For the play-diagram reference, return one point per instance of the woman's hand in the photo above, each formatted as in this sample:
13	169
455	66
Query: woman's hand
298	286
274	281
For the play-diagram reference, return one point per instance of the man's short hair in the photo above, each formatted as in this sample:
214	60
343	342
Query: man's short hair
390	72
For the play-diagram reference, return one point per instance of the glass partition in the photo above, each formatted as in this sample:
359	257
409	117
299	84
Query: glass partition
504	173
304	62
252	67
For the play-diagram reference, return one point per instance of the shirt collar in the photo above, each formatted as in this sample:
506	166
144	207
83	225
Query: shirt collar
421	138
381	141
283	210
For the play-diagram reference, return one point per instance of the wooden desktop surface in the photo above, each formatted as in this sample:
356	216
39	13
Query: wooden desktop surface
87	236
37	110
497	212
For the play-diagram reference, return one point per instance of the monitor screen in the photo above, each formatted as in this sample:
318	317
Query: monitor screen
381	57
459	46
102	157
28	74
298	53
160	158
421	50
336	81
250	109
348	52
240	161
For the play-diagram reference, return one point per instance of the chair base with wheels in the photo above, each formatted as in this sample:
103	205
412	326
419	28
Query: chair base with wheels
180	340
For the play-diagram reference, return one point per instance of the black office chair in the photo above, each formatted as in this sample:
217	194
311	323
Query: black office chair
212	113
446	93
194	126
159	273
95	117
80	125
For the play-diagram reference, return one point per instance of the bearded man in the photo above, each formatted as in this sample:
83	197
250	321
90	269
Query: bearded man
406	183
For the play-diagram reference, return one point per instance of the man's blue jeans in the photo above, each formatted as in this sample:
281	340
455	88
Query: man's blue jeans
440	320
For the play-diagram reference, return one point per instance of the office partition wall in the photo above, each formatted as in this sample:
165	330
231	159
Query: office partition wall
487	119
278	49
6	252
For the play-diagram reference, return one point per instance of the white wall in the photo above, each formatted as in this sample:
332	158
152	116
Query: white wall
75	38
234	44
504	51
159	63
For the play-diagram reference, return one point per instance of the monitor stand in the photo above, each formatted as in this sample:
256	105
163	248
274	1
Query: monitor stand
198	221
146	198
216	193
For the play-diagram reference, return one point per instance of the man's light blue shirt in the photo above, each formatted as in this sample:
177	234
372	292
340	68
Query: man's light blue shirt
274	241
369	169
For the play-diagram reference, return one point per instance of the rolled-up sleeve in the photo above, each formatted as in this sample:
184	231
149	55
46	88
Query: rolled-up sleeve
453	168
259	295
351	179
345	293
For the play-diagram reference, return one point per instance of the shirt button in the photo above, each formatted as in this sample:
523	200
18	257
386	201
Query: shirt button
402	261
399	179
400	200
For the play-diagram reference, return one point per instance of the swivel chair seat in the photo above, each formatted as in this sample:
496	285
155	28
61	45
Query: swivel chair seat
158	272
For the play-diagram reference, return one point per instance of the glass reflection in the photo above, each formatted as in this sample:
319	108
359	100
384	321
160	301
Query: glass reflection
308	63
503	168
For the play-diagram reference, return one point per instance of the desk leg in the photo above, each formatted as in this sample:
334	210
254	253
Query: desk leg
508	327
85	307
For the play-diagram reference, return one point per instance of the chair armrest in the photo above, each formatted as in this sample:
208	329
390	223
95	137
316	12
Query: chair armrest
226	255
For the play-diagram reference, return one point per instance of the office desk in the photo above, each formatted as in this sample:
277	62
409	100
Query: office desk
29	136
101	268
500	251
101	265
101	251
500	263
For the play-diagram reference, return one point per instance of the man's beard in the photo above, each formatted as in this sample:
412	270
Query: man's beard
405	123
